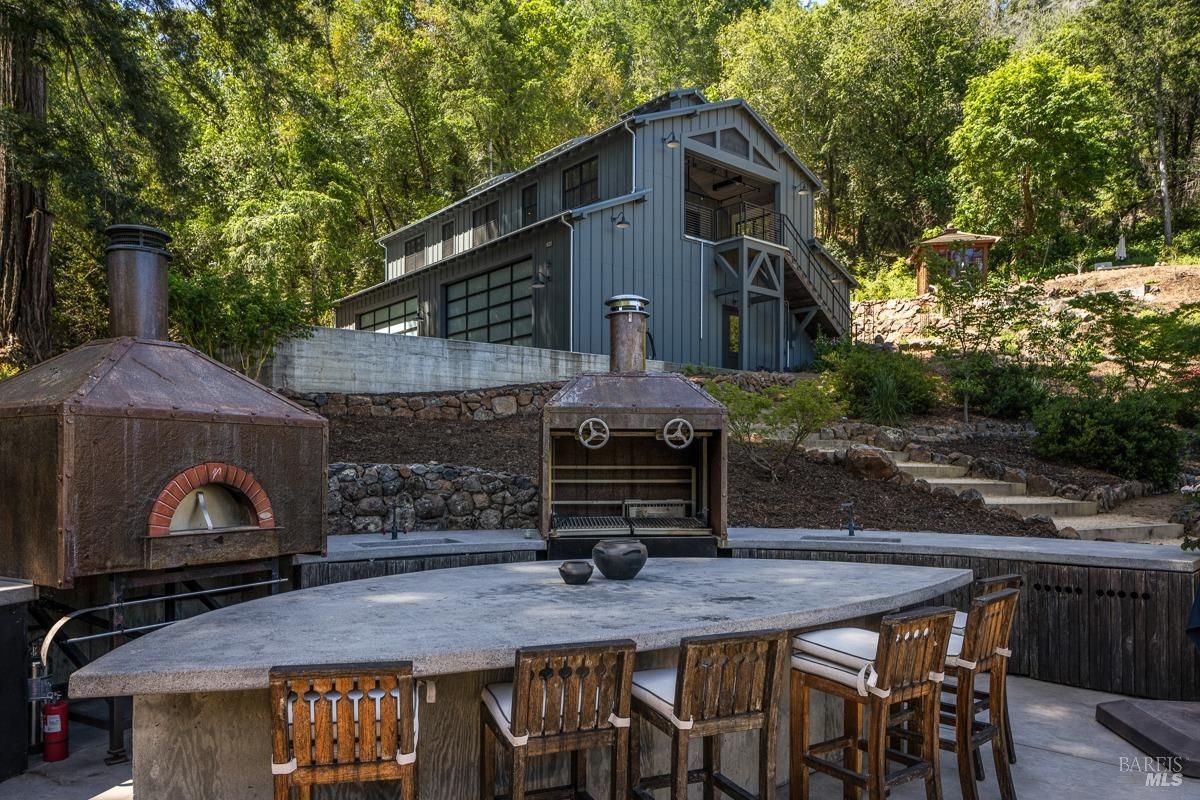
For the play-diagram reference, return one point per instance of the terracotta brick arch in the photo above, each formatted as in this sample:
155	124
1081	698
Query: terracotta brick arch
212	472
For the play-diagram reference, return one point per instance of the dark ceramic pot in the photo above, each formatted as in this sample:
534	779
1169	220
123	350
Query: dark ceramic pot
619	559
575	573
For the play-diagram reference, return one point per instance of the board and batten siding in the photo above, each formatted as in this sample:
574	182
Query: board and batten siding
545	244
613	171
677	273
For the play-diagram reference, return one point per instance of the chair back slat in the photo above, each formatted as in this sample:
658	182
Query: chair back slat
727	676
912	645
989	626
571	689
331	717
995	583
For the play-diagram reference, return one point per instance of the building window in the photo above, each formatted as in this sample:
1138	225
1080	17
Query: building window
401	318
529	205
447	239
414	253
496	306
485	223
581	184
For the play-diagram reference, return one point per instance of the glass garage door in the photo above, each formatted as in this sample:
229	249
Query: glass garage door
496	306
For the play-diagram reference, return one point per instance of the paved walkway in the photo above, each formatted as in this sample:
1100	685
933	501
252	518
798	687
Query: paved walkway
1061	752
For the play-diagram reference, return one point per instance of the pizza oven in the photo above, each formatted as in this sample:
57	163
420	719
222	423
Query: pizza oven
632	453
136	453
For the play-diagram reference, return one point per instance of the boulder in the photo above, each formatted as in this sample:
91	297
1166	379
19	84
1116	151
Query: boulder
1039	486
504	406
892	439
972	497
430	506
870	463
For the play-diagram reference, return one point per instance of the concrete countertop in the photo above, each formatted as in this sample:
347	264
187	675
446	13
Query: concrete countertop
1119	555
13	591
473	618
371	546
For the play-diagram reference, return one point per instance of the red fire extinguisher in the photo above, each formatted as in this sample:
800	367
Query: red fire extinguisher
54	729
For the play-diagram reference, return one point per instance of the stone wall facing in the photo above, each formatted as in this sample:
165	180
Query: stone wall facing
368	498
478	404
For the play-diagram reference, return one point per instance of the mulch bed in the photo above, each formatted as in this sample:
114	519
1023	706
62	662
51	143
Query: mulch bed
1017	451
809	497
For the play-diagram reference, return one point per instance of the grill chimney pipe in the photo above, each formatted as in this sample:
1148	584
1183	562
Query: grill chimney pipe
137	260
627	321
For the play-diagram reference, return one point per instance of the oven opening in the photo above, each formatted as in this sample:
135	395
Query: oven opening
634	485
212	508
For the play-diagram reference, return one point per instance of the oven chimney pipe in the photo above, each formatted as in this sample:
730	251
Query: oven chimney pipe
137	259
627	323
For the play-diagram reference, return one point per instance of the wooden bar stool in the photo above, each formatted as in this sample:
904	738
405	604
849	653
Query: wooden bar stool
722	684
871	672
563	699
982	649
981	587
343	723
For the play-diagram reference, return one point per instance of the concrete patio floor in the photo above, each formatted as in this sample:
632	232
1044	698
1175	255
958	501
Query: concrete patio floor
1061	752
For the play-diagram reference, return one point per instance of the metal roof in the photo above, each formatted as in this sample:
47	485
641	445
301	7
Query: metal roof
146	377
953	235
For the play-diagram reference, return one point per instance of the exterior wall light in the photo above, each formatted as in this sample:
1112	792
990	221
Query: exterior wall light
803	190
671	141
542	278
620	221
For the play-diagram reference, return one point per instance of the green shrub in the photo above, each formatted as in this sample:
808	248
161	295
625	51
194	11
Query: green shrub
1130	436
880	281
768	426
856	369
996	388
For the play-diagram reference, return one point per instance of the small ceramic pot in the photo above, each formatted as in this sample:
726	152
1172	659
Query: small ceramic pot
575	573
619	559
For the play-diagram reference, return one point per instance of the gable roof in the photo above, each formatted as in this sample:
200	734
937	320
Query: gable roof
655	108
953	235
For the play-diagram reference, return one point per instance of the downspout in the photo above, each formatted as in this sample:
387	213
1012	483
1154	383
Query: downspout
565	220
633	177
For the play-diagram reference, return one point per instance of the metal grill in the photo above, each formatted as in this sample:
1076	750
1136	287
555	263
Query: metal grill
665	523
578	523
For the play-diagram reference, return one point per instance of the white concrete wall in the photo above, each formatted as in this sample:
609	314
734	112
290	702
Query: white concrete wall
360	362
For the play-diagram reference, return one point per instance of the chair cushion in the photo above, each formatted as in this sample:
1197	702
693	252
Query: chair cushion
656	688
838	673
498	699
960	621
849	647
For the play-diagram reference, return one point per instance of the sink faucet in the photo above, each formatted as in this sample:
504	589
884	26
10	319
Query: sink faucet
851	526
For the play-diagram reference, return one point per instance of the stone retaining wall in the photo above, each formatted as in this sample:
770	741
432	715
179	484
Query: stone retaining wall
478	404
366	498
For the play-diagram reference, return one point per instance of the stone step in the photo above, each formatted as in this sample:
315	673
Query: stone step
985	486
1046	506
919	469
1120	527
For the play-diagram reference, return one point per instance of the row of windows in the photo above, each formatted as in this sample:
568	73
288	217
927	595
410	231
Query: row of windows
402	318
496	307
580	186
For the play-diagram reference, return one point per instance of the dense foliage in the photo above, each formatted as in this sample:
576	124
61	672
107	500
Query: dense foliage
770	425
1131	435
878	385
276	140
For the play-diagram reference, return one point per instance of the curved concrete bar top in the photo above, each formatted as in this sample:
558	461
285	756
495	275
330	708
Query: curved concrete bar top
474	618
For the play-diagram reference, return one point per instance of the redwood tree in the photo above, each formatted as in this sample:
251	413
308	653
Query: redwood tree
24	219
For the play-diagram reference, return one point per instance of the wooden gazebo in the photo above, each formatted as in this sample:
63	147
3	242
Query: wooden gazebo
960	248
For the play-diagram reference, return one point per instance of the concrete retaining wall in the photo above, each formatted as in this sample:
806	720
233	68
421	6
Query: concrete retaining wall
361	362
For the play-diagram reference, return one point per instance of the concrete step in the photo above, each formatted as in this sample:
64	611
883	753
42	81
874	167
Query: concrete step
928	471
1046	506
985	486
1120	527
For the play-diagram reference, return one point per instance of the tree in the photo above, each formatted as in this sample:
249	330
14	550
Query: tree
868	93
769	426
1035	142
1149	50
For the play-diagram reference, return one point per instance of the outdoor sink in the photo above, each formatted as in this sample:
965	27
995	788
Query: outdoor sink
406	542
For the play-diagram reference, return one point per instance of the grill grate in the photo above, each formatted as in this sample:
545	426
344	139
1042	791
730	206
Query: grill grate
673	523
573	523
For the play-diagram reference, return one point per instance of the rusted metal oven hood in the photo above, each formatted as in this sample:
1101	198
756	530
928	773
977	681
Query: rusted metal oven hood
130	454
